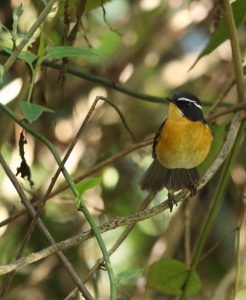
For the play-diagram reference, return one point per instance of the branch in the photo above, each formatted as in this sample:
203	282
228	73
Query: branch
140	216
106	82
44	230
114	85
239	260
234	108
236	53
221	97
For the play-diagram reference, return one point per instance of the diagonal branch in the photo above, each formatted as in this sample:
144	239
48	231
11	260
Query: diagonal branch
115	85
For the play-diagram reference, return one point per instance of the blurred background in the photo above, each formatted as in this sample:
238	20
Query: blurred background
148	46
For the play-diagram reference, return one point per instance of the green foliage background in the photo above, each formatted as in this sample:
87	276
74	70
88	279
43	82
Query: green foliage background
148	48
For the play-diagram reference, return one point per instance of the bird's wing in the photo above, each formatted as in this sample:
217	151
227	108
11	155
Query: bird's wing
156	138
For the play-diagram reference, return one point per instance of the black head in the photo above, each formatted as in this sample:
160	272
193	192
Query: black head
189	104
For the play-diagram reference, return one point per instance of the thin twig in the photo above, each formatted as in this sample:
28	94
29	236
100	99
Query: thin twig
140	216
106	21
221	97
123	120
238	250
44	230
234	108
216	245
115	85
41	18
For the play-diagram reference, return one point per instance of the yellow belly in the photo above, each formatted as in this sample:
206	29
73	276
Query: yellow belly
183	144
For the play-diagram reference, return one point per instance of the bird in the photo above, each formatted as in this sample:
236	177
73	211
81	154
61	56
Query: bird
182	143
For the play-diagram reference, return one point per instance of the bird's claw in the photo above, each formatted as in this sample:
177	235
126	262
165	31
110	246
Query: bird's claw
193	190
171	201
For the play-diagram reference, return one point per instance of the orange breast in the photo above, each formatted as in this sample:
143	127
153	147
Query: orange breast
183	144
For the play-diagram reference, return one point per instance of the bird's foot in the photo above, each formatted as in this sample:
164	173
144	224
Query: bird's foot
171	201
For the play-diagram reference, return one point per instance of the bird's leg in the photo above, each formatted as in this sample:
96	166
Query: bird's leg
192	187
170	198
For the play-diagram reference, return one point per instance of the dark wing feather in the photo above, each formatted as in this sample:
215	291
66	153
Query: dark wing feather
156	138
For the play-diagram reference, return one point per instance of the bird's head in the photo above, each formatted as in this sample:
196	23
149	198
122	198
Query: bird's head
184	104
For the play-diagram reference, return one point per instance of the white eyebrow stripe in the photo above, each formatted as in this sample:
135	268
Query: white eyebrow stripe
189	100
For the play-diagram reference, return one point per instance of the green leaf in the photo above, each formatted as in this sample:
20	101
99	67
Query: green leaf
18	12
27	56
59	52
221	33
169	276
128	274
32	111
87	184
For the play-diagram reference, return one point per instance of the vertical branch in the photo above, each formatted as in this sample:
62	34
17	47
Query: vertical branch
187	233
238	250
236	53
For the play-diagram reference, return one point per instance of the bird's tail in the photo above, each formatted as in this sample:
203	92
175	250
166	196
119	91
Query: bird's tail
157	177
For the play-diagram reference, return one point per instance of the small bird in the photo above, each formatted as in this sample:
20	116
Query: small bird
181	144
